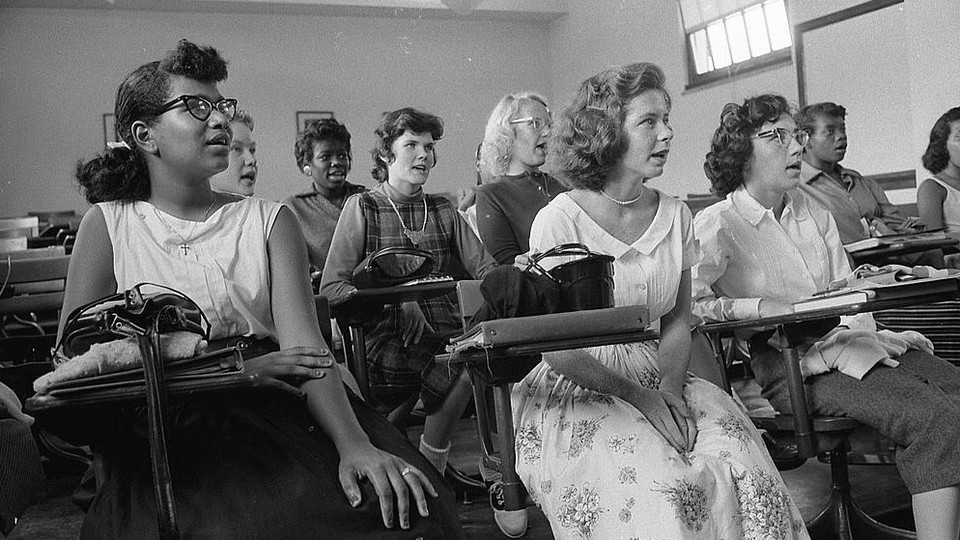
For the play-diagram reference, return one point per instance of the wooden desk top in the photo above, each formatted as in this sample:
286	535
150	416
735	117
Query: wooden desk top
891	297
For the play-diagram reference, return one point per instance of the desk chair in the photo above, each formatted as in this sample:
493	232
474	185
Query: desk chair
323	317
30	287
815	435
491	394
398	415
31	296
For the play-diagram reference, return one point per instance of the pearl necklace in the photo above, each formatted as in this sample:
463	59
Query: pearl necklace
623	203
185	246
414	236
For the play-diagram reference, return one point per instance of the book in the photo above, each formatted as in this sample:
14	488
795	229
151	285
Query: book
860	245
843	297
919	238
551	327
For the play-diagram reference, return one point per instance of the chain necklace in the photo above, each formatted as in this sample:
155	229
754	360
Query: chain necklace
185	246
623	203
542	185
414	236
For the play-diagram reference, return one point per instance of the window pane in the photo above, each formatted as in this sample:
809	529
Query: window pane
701	52
757	30
777	24
737	37
718	45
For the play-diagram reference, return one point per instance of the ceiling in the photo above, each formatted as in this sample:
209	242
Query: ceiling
528	10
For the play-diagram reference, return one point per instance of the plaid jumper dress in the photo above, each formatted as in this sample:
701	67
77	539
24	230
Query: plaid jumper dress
396	371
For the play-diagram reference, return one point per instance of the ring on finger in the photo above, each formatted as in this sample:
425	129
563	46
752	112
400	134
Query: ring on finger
405	471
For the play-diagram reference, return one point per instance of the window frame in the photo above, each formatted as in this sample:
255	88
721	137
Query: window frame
772	59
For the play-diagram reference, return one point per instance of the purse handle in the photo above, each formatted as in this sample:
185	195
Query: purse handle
402	250
133	300
562	250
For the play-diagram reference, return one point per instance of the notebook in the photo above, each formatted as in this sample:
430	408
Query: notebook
551	327
843	297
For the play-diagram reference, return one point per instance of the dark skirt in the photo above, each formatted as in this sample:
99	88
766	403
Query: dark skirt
258	469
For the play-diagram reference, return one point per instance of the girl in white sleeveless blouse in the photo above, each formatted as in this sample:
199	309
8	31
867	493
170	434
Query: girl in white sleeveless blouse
261	466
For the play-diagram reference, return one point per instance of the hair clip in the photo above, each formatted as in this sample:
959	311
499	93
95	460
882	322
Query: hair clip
113	145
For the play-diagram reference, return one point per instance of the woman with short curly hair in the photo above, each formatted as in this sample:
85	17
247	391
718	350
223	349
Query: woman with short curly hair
622	441
513	149
938	198
403	339
767	245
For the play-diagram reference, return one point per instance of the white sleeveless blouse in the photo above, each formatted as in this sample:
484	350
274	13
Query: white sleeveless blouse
220	263
951	206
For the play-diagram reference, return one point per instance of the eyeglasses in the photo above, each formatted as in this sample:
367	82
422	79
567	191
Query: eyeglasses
535	121
200	107
784	135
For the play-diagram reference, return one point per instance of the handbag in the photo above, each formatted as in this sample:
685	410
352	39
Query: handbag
128	314
585	282
392	266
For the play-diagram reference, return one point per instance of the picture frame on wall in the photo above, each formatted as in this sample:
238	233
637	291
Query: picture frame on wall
109	129
305	117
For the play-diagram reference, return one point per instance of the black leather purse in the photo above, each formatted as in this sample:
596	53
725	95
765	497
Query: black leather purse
392	266
127	314
586	282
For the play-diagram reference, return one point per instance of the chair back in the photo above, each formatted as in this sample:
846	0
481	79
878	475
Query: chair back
469	298
37	284
323	317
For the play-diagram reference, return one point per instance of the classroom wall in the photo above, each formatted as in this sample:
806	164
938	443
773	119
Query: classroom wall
934	74
60	69
590	39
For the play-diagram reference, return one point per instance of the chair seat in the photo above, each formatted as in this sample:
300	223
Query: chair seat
831	431
821	424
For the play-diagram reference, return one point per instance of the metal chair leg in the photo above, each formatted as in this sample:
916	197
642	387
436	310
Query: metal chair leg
842	518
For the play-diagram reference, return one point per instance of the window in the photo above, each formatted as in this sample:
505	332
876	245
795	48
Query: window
729	37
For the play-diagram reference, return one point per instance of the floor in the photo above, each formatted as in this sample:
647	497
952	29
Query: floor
877	488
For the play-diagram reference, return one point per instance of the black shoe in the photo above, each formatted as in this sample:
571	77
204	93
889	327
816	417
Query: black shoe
785	454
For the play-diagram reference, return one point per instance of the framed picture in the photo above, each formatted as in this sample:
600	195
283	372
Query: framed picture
109	129
305	117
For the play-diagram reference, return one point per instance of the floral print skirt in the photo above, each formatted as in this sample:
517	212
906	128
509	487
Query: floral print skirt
598	469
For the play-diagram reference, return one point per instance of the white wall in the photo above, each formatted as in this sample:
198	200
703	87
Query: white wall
60	70
935	69
602	33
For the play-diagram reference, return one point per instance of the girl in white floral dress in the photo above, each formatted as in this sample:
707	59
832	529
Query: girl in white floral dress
620	441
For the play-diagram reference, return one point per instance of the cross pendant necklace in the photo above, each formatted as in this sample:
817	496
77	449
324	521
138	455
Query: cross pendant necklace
185	246
414	236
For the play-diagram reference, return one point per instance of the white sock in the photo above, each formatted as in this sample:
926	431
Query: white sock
436	456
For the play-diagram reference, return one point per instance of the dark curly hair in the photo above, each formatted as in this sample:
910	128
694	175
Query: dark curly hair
325	129
588	136
806	117
936	157
120	174
392	127
731	146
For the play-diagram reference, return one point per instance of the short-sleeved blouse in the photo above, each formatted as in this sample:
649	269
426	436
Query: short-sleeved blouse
225	268
646	272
